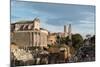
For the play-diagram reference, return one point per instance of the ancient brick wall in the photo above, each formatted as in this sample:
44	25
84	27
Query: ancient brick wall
43	39
21	38
28	39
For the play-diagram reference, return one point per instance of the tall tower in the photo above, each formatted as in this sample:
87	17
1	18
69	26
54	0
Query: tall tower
65	31
69	32
36	23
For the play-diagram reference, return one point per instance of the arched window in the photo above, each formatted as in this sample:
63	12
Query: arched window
21	28
30	26
25	27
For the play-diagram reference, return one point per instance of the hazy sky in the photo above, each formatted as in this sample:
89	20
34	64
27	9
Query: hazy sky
54	16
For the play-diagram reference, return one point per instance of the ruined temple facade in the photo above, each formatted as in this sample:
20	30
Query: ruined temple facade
29	34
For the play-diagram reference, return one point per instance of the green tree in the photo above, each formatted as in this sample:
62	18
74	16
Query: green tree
61	40
67	40
92	39
77	41
58	39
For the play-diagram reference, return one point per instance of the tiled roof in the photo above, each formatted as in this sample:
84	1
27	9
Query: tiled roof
23	22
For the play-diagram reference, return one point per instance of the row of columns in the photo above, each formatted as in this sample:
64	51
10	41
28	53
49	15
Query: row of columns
34	39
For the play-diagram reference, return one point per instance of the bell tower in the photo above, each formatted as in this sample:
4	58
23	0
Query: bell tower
65	31
36	23
69	32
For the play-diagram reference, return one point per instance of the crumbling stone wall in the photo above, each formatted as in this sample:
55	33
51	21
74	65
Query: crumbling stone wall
22	39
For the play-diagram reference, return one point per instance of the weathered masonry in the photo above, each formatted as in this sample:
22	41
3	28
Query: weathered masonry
28	34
